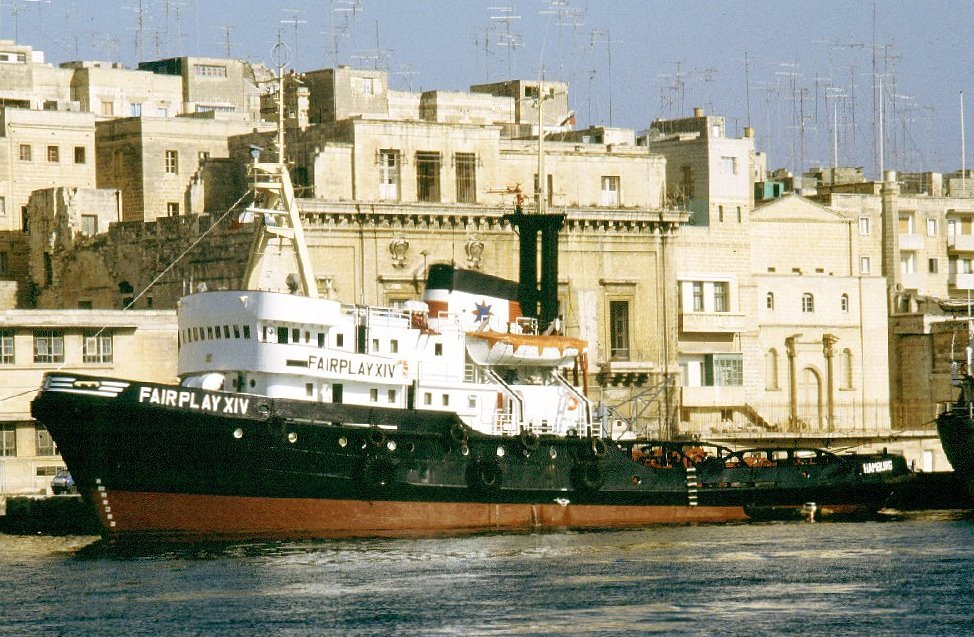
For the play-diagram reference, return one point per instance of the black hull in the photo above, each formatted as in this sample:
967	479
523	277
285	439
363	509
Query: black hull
956	431
165	460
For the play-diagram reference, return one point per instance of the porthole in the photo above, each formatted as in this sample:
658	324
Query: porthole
500	452
238	433
343	442
553	453
391	445
292	437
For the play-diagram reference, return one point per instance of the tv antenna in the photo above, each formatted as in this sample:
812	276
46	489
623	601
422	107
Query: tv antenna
507	38
227	30
141	18
296	22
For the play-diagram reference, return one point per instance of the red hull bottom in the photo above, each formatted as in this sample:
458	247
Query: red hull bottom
129	513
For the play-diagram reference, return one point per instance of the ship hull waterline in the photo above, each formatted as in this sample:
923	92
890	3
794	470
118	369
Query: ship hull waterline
168	461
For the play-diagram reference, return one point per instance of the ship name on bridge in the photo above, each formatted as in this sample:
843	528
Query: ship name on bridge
353	368
211	403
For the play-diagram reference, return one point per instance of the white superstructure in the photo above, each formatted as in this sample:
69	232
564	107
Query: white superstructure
466	349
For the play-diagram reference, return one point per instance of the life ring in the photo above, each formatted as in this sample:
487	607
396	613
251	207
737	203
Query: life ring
485	475
377	437
588	476
530	440
458	434
598	447
572	402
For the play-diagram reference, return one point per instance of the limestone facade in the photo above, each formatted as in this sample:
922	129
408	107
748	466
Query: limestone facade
110	90
42	149
171	166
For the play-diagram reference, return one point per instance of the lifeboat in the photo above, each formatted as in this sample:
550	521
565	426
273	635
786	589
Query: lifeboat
509	349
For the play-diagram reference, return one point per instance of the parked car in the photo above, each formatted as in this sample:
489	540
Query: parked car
62	482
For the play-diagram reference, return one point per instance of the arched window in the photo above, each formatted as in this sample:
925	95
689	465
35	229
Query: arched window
844	303
808	302
847	369
771	369
770	300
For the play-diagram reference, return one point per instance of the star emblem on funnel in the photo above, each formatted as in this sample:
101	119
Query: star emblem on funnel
483	311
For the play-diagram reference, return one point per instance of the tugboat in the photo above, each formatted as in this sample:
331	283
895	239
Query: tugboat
300	416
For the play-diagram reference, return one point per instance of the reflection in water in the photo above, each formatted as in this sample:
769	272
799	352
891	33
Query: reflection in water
904	576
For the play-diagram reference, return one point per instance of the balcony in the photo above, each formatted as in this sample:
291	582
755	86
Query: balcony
961	280
911	242
960	242
711	322
714	396
913	280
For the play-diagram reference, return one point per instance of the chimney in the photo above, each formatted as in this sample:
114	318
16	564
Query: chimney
698	111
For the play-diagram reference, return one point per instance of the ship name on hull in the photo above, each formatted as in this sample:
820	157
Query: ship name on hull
211	403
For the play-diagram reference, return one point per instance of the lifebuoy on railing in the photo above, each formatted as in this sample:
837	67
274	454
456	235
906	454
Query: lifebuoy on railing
572	402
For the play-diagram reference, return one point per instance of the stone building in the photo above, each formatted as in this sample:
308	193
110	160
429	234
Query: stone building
171	166
110	90
822	325
219	85
712	176
129	344
42	149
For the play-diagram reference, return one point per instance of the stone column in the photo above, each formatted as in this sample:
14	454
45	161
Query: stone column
792	350
828	349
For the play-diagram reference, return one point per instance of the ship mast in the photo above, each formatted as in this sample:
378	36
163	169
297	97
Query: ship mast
275	210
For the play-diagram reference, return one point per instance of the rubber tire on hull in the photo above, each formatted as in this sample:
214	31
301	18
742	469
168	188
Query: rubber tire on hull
485	476
588	476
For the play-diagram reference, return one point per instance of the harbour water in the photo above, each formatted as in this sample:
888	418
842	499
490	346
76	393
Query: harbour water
910	575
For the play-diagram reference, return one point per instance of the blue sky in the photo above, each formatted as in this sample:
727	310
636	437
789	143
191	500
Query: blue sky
807	85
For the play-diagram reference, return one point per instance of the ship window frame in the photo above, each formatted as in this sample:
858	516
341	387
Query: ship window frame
339	340
216	332
437	349
373	394
446	400
394	346
428	398
392	395
309	389
209	332
321	339
226	331
236	331
246	331
282	335
296	334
